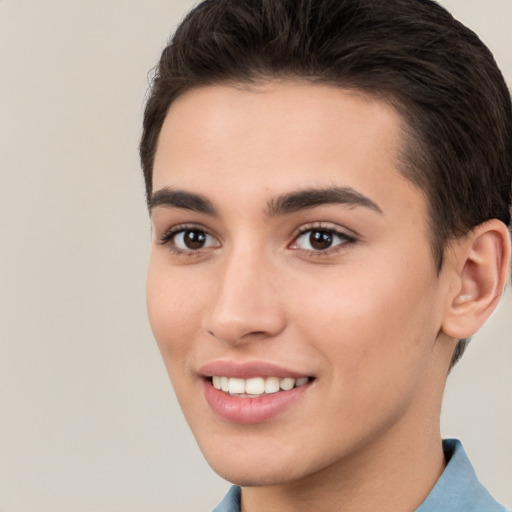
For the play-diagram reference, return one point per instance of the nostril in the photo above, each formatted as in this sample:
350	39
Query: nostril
240	333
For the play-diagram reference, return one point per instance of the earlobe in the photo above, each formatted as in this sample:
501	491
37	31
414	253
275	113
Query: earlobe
481	261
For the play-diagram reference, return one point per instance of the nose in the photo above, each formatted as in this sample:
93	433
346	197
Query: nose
245	304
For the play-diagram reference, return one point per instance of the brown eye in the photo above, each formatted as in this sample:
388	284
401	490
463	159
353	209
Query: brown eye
194	239
190	240
320	240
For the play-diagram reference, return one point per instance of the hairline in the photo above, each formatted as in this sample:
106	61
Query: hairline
408	144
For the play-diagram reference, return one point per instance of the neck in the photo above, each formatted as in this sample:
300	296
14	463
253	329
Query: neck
393	473
375	478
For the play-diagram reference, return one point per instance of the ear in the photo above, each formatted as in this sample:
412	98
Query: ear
480	264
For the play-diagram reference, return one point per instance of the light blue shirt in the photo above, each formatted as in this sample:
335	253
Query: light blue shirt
458	489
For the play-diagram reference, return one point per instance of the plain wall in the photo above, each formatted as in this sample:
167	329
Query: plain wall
88	420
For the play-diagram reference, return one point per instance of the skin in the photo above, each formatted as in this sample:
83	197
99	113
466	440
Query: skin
367	318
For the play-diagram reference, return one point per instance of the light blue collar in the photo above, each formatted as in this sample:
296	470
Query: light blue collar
231	502
458	489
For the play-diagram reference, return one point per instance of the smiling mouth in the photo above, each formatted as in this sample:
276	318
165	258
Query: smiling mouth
256	387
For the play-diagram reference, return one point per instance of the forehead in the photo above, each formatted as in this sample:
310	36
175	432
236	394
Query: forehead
280	135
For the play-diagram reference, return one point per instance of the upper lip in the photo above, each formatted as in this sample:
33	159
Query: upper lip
247	370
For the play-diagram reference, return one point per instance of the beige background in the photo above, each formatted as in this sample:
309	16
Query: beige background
88	421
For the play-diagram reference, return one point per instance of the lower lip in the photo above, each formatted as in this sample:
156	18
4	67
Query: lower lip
251	410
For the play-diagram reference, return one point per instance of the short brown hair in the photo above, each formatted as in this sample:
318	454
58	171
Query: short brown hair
436	72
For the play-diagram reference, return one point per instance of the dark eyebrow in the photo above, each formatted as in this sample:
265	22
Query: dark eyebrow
173	198
313	197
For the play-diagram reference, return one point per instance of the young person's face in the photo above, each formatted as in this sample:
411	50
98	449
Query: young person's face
287	244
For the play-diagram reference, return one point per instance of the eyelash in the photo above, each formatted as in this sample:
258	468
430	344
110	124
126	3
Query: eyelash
346	240
168	236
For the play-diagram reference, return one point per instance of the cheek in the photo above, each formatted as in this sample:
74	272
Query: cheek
375	328
174	311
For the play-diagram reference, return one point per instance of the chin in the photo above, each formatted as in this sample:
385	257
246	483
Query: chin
256	476
253	464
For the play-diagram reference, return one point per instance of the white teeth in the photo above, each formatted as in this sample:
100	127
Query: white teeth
271	385
256	385
236	386
301	382
287	383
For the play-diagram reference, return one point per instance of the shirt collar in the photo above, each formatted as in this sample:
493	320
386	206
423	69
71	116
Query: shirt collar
458	489
231	502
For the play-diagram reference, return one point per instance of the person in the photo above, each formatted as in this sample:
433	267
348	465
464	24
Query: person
329	183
